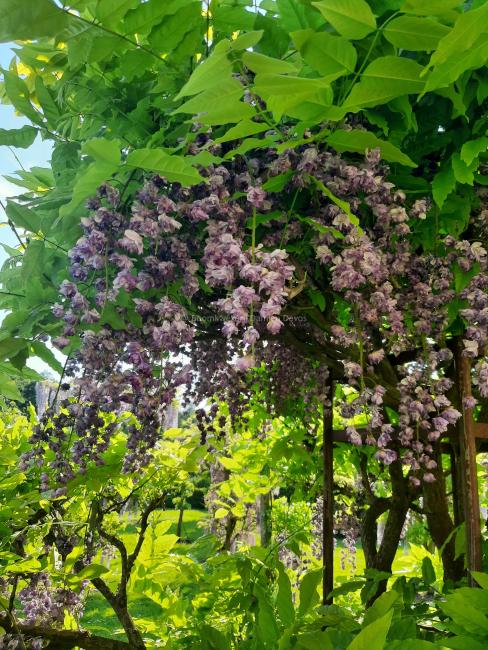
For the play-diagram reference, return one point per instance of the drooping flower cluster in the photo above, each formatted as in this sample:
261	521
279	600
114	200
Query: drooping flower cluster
43	604
393	302
160	285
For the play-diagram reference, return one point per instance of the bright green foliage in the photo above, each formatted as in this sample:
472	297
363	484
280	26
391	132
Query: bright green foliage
117	86
26	20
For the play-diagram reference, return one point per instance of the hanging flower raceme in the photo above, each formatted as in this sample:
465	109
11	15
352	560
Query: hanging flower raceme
217	272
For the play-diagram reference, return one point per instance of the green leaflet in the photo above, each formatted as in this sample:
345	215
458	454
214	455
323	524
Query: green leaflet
467	608
472	149
269	85
13	322
318	640
275	40
242	130
385	79
229	89
260	63
174	168
454	216
373	636
228	19
8	388
87	182
21	138
227	112
309	596
326	53
104	150
251	143
343	205
284	600
443	184
43	352
27	20
145	16
428	571
451	69
279	182
415	34
23	566
22	216
10	347
285	92
219	105
18	93
215	638
209	73
468	27
414	644
87	573
295	15
45	99
33	264
462	173
358	141
268	628
110	13
37	177
170	33
380	607
481	579
246	40
429	7
351	18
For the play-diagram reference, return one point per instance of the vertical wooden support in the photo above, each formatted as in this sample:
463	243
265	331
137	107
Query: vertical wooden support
468	470
328	500
457	505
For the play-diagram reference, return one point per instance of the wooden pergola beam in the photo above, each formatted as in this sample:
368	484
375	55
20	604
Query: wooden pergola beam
480	430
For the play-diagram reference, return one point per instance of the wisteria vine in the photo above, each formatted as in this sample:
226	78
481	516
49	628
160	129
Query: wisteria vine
194	288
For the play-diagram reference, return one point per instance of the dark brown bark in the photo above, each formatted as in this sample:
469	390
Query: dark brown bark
439	521
118	603
229	531
118	600
457	502
381	557
63	639
468	468
369	528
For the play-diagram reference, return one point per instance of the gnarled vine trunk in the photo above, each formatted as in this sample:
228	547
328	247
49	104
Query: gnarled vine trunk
397	505
440	523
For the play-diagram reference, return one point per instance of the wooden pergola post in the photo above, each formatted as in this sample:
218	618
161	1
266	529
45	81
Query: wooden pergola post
468	468
328	500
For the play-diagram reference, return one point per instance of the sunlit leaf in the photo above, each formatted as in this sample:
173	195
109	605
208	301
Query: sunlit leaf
351	18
